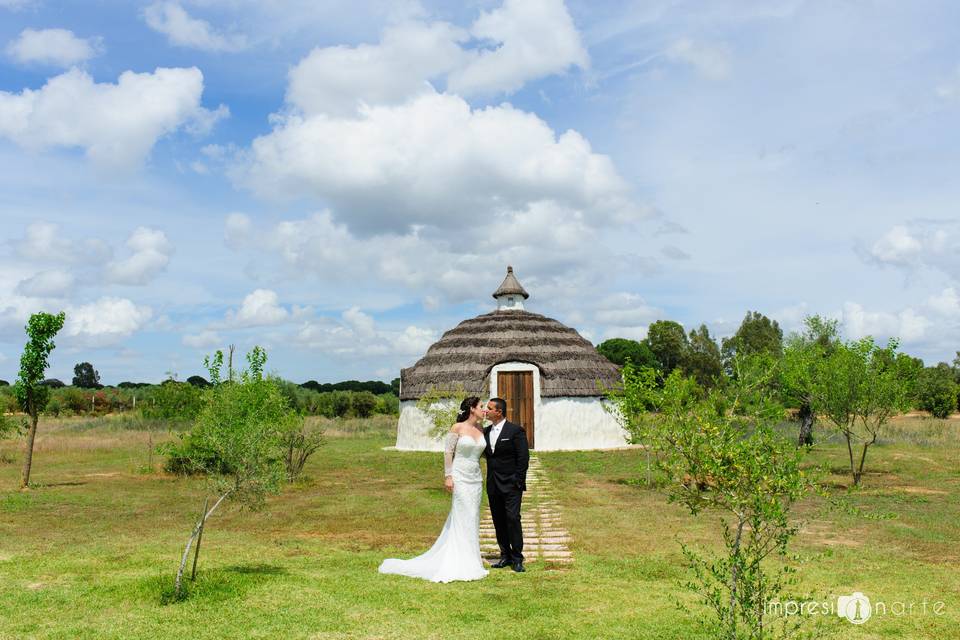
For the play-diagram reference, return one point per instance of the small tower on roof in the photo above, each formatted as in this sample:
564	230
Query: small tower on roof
510	294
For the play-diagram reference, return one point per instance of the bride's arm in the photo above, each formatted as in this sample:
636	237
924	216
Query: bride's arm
449	452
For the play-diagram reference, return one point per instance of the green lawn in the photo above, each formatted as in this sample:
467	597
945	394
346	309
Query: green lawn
89	552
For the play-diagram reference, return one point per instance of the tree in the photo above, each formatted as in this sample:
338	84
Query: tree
53	383
803	355
668	342
937	391
363	403
238	441
395	386
756	334
858	388
31	394
198	381
619	350
719	452
86	377
4	383
703	360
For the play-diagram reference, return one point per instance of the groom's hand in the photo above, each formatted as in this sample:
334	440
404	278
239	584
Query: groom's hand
448	484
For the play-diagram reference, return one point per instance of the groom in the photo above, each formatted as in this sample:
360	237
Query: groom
507	459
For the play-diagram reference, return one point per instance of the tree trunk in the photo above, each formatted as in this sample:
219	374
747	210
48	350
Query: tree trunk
28	458
807	416
735	576
186	552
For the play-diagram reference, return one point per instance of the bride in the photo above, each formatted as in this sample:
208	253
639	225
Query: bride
456	553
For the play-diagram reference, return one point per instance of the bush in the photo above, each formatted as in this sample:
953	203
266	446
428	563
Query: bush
363	404
73	399
937	391
173	400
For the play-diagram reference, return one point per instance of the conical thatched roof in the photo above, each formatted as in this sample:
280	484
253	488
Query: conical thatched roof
511	286
569	365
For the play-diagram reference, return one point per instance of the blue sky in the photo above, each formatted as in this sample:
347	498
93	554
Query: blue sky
342	182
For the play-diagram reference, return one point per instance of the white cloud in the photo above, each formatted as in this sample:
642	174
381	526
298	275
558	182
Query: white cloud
946	303
712	61
44	242
920	243
622	315
15	5
908	325
434	160
536	38
57	47
356	334
237	230
183	30
897	247
150	255
116	124
338	80
520	41
52	283
203	340
105	322
259	308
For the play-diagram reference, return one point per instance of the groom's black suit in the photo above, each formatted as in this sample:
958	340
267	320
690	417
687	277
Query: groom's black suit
507	464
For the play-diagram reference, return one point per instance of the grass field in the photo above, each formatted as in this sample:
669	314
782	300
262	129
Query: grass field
89	552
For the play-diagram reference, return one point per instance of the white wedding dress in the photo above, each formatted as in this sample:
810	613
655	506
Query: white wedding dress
456	553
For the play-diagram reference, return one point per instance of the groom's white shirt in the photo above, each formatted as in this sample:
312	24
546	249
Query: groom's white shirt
495	433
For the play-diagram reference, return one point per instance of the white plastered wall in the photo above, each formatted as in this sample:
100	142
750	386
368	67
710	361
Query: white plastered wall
560	423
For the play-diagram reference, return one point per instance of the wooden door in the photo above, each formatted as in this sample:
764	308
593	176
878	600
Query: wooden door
516	388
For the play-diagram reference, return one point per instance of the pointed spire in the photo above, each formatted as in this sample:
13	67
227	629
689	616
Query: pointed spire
510	294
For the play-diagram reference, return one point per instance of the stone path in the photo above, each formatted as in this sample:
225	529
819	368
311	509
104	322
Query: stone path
544	538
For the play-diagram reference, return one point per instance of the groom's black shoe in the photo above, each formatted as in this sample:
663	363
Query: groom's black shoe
501	564
518	567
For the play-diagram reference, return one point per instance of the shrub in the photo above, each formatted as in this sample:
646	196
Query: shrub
173	400
937	391
363	404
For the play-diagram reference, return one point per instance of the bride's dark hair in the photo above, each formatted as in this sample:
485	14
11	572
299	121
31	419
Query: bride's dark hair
465	406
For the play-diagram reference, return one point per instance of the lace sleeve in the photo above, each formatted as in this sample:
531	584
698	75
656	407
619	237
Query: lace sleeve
449	451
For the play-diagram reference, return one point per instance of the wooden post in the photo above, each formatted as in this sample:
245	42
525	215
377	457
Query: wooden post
196	552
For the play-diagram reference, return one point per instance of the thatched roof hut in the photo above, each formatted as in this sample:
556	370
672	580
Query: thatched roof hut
551	377
569	365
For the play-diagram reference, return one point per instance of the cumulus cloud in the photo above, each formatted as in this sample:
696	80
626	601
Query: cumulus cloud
183	30
56	47
920	243
53	283
339	80
946	303
533	38
897	247
150	255
434	160
115	124
105	322
622	315
259	308
44	242
355	333
519	41
908	324
712	61
203	340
